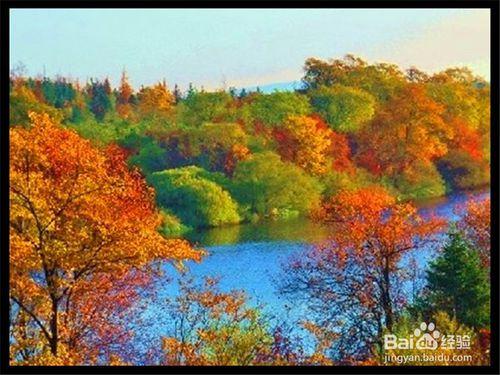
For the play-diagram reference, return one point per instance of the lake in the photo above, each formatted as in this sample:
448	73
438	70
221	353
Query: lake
251	257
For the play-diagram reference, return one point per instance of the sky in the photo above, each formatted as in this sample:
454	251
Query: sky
217	48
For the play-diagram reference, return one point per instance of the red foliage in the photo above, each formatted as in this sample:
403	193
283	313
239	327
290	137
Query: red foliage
467	139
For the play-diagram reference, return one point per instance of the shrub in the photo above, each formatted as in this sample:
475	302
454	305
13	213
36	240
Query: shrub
197	201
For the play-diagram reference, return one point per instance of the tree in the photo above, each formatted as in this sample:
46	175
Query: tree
462	171
448	352
79	110
466	139
306	142
80	222
407	130
475	225
352	282
381	80
319	72
269	186
200	107
465	100
58	93
150	157
125	92
345	109
236	154
458	285
419	181
336	181
210	327
415	75
210	144
22	101
177	94
99	98
155	100
460	93
196	200
215	328
272	109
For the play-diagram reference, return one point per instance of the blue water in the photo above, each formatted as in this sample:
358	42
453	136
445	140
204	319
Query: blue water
252	257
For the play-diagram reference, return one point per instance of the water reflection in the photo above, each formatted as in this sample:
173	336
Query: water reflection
294	230
303	230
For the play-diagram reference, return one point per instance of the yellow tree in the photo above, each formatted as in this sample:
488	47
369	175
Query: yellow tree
156	100
82	240
306	141
215	328
125	92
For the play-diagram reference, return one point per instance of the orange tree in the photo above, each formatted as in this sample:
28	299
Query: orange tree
305	141
308	142
82	240
408	129
210	327
353	282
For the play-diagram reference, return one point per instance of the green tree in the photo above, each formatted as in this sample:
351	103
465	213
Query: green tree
344	108
273	109
58	93
270	186
197	201
200	107
150	157
100	101
458	285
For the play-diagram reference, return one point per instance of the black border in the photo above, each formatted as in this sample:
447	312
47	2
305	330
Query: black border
6	5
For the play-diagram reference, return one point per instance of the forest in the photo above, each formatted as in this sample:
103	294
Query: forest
106	184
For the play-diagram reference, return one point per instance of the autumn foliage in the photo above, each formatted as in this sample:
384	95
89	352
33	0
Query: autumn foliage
476	224
410	128
356	275
106	182
312	145
81	224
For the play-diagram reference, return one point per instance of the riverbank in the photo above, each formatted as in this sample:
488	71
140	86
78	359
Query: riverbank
302	229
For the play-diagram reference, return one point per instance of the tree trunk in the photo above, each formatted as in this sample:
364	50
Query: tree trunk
53	327
386	297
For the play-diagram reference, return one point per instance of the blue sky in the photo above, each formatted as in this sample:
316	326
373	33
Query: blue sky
243	47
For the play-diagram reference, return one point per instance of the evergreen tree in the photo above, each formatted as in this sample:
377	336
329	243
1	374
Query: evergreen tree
458	285
190	91
177	93
100	100
243	93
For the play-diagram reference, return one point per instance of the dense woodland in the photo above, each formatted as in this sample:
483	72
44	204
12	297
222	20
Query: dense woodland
105	182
